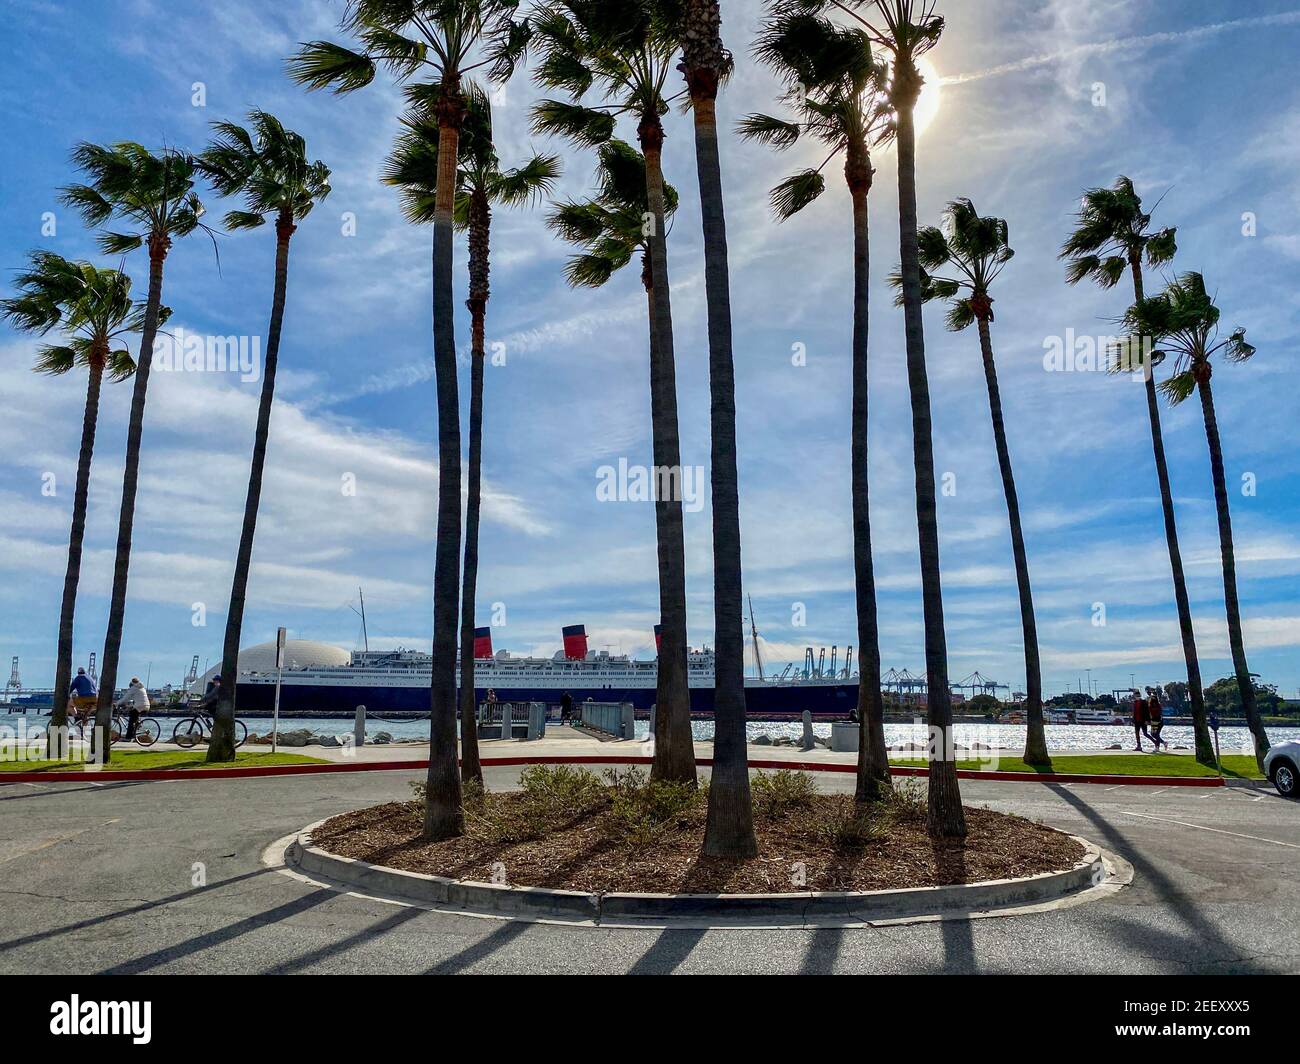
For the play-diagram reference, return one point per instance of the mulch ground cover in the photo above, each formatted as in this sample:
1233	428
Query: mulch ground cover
819	843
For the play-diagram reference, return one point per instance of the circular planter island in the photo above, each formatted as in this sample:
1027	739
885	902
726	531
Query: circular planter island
570	848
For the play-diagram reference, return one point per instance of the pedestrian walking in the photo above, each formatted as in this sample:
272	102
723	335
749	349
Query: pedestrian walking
1140	719
1155	714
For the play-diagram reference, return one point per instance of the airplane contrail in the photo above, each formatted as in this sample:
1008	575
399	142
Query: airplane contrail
1289	18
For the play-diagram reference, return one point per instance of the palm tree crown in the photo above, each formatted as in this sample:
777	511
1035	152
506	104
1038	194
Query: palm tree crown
1113	235
1184	320
976	249
413	165
267	165
624	50
445	39
153	193
92	306
835	86
609	227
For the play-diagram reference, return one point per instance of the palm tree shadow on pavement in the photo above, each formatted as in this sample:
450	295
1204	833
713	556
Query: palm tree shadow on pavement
134	910
223	934
1204	934
334	949
957	933
669	951
484	947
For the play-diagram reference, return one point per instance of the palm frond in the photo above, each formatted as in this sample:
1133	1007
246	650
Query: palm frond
768	130
324	65
795	193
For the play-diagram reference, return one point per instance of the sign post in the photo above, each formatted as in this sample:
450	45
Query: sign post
279	674
1214	727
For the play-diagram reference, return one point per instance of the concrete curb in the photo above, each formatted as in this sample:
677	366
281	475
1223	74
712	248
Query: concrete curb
809	908
111	776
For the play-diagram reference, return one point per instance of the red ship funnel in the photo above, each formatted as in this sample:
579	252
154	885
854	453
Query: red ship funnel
659	634
482	642
575	641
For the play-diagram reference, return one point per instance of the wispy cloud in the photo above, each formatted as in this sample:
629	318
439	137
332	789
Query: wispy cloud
1125	44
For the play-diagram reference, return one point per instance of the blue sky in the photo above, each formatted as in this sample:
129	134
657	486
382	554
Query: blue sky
1200	105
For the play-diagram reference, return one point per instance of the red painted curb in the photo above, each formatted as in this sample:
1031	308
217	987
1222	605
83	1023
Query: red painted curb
109	776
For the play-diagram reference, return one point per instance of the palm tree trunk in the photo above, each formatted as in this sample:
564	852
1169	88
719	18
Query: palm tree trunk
1195	691
1245	683
1035	736
674	756
729	827
159	243
221	747
56	747
873	758
945	818
443	817
479	231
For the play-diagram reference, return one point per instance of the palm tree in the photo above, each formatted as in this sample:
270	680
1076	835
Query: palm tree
1114	237
480	182
906	30
444	40
624	50
1184	321
154	195
93	308
977	250
729	828
268	167
834	84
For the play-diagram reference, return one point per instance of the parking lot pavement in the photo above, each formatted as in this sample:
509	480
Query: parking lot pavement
168	877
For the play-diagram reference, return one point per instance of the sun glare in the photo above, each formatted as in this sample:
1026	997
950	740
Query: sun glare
927	107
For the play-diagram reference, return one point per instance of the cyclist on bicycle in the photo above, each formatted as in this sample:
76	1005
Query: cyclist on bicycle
136	700
82	694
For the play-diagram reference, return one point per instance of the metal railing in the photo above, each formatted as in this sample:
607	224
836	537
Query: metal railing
612	718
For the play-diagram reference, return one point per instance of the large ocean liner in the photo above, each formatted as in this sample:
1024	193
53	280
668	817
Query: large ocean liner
398	681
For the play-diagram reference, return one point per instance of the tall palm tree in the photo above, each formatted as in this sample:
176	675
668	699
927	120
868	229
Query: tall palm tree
977	250
480	182
92	307
906	30
1113	238
154	195
624	51
441	40
729	827
834	84
1184	322
269	168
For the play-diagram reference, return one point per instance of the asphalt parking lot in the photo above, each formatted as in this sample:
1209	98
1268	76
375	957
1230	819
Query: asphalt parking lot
167	877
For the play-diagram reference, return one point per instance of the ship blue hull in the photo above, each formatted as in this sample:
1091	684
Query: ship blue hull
769	702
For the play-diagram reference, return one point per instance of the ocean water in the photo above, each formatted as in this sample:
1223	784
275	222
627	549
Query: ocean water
898	736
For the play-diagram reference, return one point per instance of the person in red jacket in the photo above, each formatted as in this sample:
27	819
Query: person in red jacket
1140	718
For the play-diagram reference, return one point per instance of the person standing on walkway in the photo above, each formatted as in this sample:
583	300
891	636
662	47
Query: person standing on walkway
566	708
1155	713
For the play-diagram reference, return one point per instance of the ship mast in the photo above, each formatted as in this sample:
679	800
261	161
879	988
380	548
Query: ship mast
365	635
753	634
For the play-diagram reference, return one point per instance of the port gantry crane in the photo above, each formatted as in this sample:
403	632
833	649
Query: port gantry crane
978	684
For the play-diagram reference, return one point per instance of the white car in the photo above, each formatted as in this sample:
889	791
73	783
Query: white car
1282	766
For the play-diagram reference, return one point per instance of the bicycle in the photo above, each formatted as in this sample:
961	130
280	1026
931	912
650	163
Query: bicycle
147	730
198	729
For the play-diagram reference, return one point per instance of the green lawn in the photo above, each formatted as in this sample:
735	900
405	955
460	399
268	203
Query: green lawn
136	760
1235	766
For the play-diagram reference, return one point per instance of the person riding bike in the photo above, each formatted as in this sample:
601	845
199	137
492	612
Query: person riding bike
136	701
82	696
